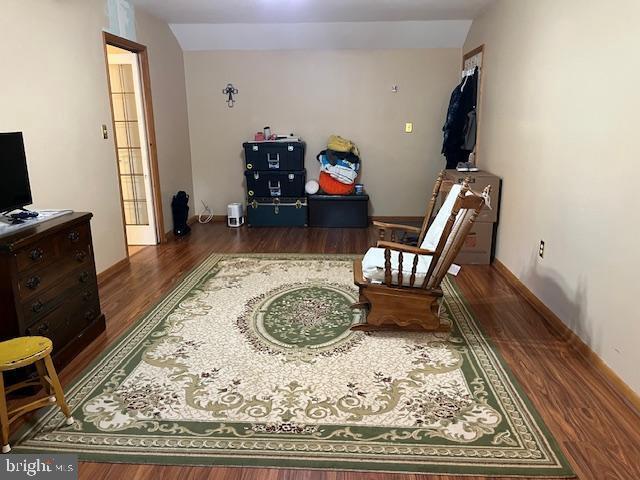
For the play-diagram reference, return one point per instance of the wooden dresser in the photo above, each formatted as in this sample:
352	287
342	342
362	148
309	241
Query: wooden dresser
479	246
48	285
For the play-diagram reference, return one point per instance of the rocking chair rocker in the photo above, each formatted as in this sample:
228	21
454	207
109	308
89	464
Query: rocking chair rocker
400	284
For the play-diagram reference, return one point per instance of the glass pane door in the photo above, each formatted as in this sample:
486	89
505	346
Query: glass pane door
131	145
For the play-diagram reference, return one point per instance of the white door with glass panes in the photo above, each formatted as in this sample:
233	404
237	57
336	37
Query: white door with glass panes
132	146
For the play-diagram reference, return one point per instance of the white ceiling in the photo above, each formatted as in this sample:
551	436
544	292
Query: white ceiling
321	35
301	11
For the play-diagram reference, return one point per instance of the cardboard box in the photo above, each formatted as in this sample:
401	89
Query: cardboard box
478	246
478	181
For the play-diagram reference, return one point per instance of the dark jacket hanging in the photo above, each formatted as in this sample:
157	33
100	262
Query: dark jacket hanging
462	102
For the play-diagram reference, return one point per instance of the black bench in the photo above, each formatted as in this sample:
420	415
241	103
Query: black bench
339	210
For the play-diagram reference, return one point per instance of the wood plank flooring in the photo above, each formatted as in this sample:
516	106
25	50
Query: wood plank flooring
597	430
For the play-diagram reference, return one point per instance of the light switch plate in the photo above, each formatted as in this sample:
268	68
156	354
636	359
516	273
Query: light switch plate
408	127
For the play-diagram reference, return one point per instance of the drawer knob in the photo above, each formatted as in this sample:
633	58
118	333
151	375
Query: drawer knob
73	236
42	329
89	314
37	306
83	277
86	295
33	282
80	256
36	254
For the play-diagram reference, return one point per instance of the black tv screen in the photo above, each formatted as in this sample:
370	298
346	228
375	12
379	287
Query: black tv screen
15	191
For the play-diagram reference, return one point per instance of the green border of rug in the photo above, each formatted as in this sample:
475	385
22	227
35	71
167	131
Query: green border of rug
276	462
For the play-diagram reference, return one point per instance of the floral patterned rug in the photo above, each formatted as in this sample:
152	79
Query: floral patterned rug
250	361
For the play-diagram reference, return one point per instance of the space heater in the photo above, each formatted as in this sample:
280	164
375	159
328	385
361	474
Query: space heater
235	215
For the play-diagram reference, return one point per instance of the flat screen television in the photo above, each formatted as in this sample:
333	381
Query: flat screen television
15	191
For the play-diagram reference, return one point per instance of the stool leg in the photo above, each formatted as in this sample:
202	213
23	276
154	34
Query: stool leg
4	418
57	388
42	373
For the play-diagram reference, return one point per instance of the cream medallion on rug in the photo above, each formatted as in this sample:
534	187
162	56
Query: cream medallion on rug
251	361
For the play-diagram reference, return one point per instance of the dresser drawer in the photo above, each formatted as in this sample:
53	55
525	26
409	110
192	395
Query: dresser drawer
45	252
37	255
34	283
75	284
64	323
477	182
75	239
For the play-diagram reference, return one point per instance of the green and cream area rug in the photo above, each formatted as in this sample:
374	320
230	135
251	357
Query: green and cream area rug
250	361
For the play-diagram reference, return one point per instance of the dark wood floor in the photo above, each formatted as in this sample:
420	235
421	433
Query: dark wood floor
597	431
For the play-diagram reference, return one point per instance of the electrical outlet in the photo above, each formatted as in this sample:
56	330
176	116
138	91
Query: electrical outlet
541	249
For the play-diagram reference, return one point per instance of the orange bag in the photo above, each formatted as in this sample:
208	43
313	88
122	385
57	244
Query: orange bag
331	186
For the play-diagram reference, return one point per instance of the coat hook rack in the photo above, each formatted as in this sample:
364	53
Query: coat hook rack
230	91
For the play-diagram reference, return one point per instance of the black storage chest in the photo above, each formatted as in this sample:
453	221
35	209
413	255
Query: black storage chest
274	155
275	183
339	210
277	212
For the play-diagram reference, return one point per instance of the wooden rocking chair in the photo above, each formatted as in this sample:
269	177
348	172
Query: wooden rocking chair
400	284
389	231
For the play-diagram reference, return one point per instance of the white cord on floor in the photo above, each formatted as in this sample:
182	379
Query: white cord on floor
206	216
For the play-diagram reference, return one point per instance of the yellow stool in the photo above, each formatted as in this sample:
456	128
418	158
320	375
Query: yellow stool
20	352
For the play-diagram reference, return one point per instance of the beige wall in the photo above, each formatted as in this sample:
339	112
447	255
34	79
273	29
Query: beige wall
169	108
54	89
560	126
315	93
54	85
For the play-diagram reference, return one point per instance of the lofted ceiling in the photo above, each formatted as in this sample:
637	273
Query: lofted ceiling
310	11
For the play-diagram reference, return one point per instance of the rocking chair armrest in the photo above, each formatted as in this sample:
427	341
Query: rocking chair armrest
395	226
399	247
